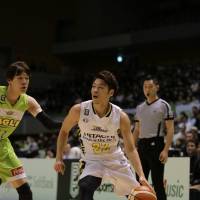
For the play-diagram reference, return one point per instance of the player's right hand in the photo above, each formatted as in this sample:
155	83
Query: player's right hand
144	182
59	167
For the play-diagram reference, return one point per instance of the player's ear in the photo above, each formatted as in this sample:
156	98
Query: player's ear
111	92
158	87
8	81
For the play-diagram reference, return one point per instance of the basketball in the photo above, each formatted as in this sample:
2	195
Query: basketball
142	193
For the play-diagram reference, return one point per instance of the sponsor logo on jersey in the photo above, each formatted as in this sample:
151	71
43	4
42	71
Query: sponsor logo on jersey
17	171
86	112
8	122
98	128
95	137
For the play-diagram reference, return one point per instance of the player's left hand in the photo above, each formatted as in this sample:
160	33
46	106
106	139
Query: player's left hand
144	182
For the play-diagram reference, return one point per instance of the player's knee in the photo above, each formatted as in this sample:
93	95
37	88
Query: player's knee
25	192
89	183
84	185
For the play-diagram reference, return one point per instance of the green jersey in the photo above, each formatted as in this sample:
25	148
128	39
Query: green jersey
11	115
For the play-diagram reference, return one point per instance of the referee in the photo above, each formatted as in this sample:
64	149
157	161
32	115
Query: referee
154	127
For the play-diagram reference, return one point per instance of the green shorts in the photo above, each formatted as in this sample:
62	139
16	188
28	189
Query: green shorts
10	166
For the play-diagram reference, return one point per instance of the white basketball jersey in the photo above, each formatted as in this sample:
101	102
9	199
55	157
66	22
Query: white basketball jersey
99	136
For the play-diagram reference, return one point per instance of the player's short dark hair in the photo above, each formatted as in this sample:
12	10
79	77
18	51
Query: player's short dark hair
16	69
151	77
109	79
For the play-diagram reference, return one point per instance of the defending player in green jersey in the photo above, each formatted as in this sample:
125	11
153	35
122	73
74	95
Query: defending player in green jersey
13	103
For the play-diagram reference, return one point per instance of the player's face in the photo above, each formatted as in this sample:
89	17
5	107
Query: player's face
100	91
20	83
150	88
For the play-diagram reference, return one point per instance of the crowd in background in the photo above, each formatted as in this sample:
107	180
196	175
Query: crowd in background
44	145
179	83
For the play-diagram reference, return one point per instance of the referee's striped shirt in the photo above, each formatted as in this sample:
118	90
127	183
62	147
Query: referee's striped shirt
152	118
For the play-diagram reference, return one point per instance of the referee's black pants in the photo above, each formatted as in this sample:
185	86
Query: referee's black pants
149	151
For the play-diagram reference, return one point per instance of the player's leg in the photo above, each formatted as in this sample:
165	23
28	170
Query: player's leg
23	189
90	180
11	170
87	187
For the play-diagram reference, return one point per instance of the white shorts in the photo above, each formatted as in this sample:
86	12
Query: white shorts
117	172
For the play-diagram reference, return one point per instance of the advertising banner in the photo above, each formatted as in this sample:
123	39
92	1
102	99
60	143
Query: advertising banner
41	177
177	178
46	186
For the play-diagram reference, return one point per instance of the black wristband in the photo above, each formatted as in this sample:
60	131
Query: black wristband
47	121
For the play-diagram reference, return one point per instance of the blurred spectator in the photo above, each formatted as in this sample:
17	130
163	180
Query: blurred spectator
31	148
71	152
191	149
191	135
50	153
184	119
179	136
195	117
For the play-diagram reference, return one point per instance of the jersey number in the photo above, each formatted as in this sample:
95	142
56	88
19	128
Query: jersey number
100	147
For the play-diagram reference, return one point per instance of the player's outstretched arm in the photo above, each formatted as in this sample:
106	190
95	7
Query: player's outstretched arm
70	121
129	144
130	148
35	109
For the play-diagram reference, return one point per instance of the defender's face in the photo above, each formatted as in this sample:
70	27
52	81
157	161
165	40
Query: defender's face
100	91
150	88
19	83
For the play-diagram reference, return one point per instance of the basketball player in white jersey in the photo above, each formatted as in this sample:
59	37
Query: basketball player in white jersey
100	124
